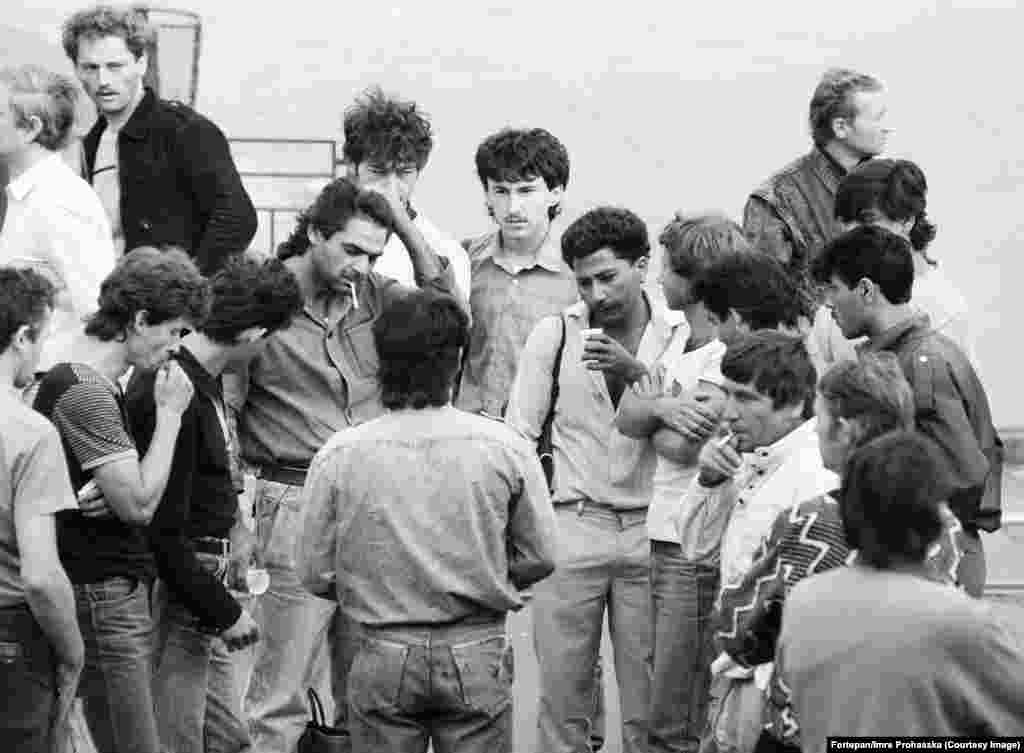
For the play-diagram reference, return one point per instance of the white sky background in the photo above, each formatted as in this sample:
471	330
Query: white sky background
662	105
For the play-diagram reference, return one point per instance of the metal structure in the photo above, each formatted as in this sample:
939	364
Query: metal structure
174	55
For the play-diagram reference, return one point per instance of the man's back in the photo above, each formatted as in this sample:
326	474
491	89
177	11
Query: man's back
435	515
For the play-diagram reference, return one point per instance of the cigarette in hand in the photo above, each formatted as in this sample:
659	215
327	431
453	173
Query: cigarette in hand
726	439
355	298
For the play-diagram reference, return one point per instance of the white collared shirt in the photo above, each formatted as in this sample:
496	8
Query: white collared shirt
396	264
683	371
56	225
772	479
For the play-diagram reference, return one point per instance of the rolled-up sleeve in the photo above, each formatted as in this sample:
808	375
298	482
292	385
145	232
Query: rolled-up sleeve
530	399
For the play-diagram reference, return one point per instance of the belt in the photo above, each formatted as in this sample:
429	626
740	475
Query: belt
283	474
212	545
588	504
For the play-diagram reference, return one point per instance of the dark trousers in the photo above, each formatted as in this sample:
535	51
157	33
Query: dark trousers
28	683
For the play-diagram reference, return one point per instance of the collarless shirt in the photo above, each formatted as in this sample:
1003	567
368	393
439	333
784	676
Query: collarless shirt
593	460
56	225
507	302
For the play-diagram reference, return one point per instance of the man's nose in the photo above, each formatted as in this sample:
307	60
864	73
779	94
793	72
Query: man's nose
360	264
729	412
103	76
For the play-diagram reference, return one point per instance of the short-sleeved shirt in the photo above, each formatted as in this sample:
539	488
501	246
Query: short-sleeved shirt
33	480
683	371
88	411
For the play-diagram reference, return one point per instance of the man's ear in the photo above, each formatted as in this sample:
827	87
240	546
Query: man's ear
867	289
314	236
143	60
557	194
140	320
840	128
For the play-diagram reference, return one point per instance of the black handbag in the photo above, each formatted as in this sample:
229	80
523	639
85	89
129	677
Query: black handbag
544	449
318	737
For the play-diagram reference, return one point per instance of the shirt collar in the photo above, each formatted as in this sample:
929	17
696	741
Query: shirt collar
205	382
21	186
892	337
549	255
782	448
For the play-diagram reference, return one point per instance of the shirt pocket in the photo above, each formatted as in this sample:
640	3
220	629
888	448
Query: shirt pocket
363	350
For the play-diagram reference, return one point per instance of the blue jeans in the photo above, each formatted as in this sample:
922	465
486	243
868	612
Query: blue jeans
198	703
117	682
450	685
294	652
682	600
27	683
604	564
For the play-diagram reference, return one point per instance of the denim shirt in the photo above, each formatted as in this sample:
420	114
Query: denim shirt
426	517
593	460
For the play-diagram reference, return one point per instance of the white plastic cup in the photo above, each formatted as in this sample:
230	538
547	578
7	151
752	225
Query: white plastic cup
257	580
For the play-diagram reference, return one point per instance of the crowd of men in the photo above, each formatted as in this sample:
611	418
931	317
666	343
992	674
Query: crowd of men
769	471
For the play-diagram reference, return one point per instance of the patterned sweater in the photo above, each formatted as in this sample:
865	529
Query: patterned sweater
804	540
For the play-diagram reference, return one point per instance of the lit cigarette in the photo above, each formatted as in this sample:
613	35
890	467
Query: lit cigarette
355	298
726	439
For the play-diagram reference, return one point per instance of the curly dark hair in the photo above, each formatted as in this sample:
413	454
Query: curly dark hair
25	297
338	202
108	21
896	189
778	366
890	499
754	285
386	130
249	293
520	154
833	98
694	242
418	338
870	252
164	283
606	227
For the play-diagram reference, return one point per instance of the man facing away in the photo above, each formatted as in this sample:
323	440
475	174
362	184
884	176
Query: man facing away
144	306
519	276
310	380
39	635
425	524
55	224
164	172
198	702
791	215
868	274
602	479
387	144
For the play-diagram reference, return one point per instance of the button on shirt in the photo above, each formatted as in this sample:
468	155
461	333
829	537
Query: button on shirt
593	460
426	516
507	302
56	225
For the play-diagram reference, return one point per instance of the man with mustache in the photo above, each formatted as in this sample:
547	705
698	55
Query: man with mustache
603	480
163	172
312	379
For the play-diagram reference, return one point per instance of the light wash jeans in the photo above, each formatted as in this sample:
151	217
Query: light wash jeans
604	564
682	598
294	652
198	700
449	685
117	682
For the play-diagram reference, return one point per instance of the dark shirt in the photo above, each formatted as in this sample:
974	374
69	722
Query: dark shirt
952	409
200	498
88	411
179	184
311	380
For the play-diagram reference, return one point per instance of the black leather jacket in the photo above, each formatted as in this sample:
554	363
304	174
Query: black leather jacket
179	184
